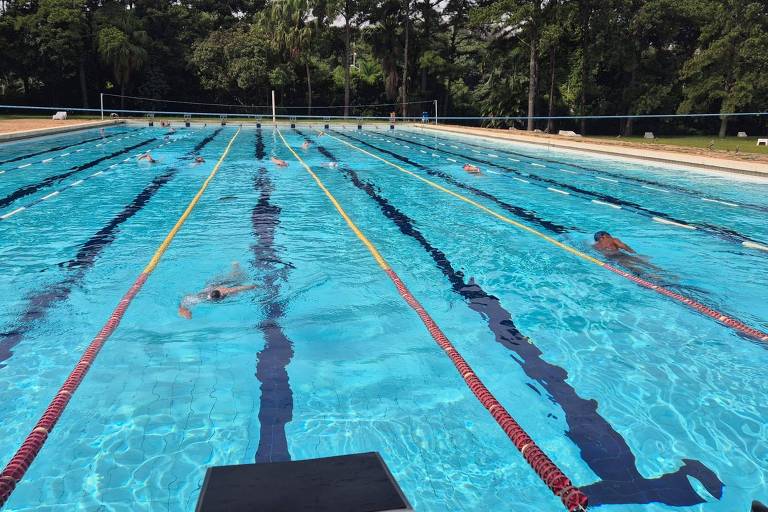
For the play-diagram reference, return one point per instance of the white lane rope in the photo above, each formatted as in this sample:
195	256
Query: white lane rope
64	155
80	181
660	220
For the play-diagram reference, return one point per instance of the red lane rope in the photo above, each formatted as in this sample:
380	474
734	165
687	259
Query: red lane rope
31	446
698	306
25	455
573	498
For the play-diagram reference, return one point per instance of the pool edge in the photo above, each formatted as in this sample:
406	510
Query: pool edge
39	132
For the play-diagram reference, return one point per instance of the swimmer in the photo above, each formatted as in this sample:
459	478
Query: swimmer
216	291
472	169
609	245
199	160
146	156
332	165
278	162
306	144
101	132
624	255
320	133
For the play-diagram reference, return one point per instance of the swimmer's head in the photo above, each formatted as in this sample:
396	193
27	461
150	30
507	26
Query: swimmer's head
215	294
600	235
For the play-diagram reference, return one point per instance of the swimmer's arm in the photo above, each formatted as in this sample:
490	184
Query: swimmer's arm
185	312
624	246
237	289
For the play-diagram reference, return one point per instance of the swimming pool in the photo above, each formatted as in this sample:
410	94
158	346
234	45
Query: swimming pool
644	402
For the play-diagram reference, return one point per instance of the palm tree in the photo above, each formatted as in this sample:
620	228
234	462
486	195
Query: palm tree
289	22
123	48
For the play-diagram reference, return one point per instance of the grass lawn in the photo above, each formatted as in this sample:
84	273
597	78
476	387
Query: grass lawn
733	144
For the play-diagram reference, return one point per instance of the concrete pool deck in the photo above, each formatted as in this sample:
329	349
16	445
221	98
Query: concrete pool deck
753	165
16	129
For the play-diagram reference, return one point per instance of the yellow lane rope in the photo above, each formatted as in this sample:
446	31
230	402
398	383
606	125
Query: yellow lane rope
376	254
172	233
485	209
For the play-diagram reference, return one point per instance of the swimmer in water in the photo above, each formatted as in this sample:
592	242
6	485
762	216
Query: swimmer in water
332	165
216	291
146	156
616	250
471	169
278	162
320	133
199	160
101	132
609	245
306	144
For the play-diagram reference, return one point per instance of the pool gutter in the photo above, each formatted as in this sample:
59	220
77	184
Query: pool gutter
575	144
27	134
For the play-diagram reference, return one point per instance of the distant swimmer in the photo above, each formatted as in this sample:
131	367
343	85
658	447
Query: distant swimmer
146	156
320	133
199	160
332	165
101	132
278	162
472	169
216	291
608	245
306	145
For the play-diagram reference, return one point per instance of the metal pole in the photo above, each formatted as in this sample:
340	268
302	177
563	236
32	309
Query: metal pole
273	108
435	111
102	105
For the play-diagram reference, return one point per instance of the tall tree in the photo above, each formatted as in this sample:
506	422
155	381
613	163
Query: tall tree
122	45
729	69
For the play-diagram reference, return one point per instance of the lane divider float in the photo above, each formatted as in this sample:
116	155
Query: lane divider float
560	485
19	464
722	318
74	184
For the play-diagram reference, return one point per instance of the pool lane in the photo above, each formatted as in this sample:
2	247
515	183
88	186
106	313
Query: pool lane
601	447
521	213
596	197
29	449
39	303
30	189
721	317
593	172
276	401
56	193
108	137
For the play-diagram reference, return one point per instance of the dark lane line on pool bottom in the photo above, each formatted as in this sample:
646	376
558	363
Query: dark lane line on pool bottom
721	232
602	448
51	180
642	181
40	303
276	403
522	213
59	148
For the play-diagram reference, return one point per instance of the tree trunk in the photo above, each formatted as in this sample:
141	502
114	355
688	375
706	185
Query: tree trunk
551	111
346	61
83	82
309	90
405	60
533	78
628	127
723	126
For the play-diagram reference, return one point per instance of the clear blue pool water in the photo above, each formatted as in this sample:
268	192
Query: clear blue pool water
619	385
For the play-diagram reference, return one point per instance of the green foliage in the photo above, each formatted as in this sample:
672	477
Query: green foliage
491	57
